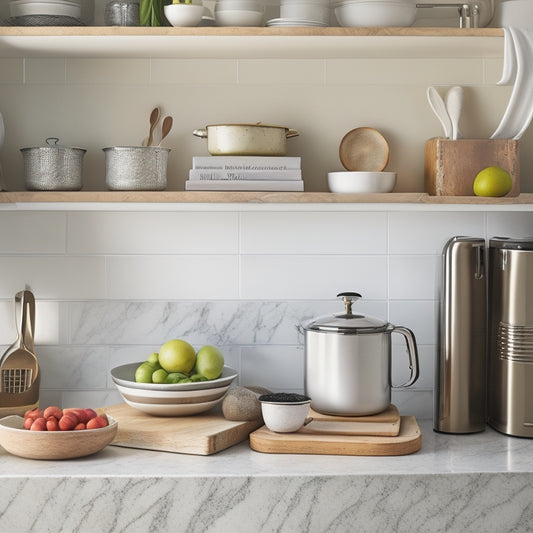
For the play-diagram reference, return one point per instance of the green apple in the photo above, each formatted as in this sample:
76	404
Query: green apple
209	362
177	356
143	373
493	181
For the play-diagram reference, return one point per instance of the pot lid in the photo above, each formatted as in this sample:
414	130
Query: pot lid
348	322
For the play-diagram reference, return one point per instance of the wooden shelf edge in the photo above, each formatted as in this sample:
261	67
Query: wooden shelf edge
114	31
249	197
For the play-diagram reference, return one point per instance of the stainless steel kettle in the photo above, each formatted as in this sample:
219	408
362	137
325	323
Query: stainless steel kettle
348	361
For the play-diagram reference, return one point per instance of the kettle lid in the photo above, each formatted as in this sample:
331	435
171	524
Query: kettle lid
348	322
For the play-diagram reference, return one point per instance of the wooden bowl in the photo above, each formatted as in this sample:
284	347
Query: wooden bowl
364	149
53	444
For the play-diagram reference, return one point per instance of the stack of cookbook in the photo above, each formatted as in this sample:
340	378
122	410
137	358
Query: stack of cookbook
245	173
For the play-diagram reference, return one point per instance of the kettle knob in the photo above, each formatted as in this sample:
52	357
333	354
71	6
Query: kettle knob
349	298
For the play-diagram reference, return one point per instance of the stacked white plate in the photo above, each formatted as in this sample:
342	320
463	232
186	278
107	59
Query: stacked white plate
287	23
239	13
176	399
315	11
62	8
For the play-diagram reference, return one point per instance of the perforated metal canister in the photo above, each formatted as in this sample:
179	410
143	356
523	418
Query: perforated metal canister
136	168
53	167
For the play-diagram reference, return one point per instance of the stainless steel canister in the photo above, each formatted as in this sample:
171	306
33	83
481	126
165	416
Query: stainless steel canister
510	383
53	167
136	168
348	362
460	372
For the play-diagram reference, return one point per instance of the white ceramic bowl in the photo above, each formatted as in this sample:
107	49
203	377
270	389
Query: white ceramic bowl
353	13
53	444
163	397
284	416
21	8
361	182
305	11
124	375
245	5
238	17
184	14
178	409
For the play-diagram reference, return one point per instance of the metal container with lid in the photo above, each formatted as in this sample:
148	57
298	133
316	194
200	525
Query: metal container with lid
348	361
510	325
53	167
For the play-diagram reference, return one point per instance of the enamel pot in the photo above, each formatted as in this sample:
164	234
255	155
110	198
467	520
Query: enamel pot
246	139
348	361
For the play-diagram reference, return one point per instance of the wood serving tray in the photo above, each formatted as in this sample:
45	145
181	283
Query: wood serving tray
409	440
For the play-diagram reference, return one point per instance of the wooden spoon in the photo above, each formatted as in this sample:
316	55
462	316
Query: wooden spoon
154	119
165	128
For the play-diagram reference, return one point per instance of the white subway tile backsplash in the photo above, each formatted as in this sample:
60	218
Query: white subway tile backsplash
402	71
193	71
72	367
419	316
281	71
313	233
273	367
427	233
152	233
121	71
172	277
45	70
311	276
55	277
413	277
514	225
32	233
11	70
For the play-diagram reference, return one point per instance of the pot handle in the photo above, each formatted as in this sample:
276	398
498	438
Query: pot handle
291	133
413	355
200	133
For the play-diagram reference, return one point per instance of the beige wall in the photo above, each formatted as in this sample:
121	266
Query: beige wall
97	103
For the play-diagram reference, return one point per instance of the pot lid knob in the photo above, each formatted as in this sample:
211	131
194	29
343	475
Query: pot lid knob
349	298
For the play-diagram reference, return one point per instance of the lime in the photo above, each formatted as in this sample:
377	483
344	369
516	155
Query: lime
174	377
493	181
154	360
159	376
143	373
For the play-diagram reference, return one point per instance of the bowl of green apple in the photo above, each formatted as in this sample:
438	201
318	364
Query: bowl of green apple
176	381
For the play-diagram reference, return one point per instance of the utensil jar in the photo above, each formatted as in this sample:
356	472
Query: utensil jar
348	362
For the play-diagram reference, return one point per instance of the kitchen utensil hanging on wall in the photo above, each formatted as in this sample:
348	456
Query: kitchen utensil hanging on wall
19	368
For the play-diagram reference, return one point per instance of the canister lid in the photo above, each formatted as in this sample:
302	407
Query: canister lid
348	322
507	243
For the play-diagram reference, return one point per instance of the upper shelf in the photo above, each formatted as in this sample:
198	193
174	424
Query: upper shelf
242	42
171	200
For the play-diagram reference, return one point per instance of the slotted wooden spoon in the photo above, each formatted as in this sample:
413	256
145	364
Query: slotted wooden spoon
19	367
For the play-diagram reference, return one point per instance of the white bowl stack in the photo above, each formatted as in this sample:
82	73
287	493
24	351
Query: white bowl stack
61	8
375	13
178	399
316	12
239	13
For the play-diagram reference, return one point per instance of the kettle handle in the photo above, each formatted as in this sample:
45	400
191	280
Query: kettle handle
413	355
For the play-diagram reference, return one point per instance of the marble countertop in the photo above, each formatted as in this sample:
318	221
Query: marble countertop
486	452
464	484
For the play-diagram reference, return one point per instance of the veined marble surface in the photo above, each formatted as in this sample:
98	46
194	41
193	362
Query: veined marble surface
470	483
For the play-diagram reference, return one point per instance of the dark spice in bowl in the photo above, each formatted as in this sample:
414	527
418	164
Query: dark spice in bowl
284	397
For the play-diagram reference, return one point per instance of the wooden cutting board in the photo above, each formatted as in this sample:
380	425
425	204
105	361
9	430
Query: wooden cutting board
385	424
202	434
409	440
